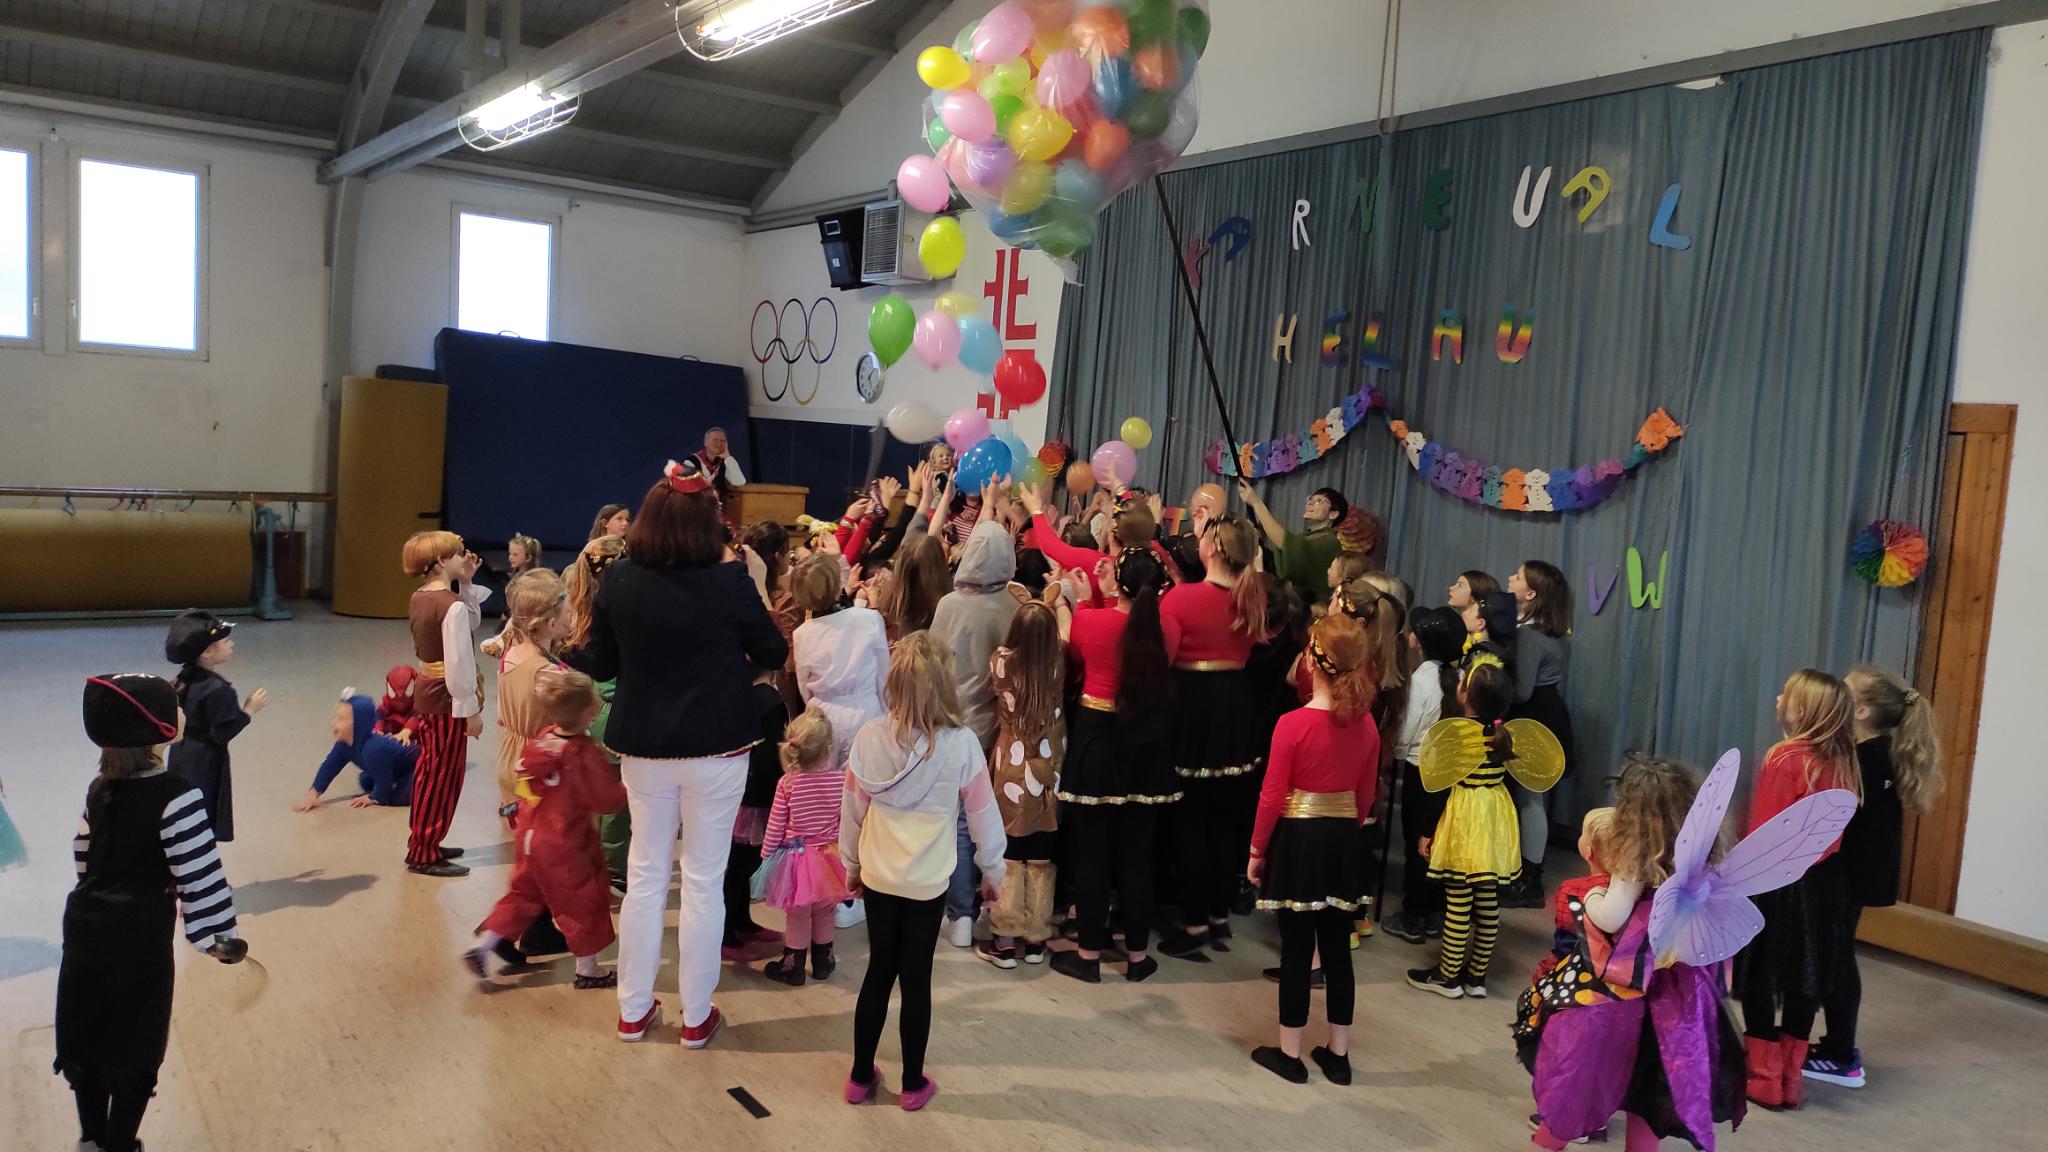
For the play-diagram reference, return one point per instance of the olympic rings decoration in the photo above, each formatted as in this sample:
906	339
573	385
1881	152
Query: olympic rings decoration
776	346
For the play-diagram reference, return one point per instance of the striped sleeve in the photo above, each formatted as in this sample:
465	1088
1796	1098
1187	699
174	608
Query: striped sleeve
81	844
204	898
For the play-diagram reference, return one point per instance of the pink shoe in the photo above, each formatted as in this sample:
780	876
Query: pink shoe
912	1101
634	1031
859	1093
701	1035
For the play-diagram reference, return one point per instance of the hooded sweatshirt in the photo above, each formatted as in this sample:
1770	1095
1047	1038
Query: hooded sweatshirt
974	617
386	765
842	658
896	823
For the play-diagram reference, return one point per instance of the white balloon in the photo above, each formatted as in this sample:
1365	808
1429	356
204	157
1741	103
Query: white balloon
914	423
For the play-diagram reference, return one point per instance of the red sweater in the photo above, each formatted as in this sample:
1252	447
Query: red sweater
1782	782
1042	537
1097	644
1207	616
1312	752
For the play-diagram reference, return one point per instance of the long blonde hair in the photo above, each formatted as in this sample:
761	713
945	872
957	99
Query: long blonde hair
1651	798
1816	712
1900	710
1238	547
920	692
531	599
582	581
806	743
528	545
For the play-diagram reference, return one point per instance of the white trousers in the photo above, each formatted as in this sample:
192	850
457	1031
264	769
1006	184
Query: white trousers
701	797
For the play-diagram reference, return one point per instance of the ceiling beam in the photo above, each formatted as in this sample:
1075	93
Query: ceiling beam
376	74
852	42
679	148
142	54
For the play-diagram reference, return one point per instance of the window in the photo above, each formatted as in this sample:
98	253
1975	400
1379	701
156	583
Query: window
138	263
15	285
504	274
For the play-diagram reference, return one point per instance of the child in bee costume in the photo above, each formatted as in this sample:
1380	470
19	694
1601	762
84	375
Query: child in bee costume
1477	846
146	855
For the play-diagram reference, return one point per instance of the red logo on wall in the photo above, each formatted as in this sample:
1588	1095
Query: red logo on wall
1007	291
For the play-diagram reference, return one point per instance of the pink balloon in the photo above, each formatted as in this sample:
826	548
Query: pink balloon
966	115
1063	79
954	157
1002	34
966	428
922	181
990	164
1114	456
938	339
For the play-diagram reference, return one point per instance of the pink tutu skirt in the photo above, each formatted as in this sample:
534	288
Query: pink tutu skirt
804	875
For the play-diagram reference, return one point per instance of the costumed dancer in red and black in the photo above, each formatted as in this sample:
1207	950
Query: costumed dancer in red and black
449	694
1214	742
146	855
200	641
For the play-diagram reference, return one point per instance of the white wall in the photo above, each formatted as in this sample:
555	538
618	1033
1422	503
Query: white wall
626	278
1280	67
2005	852
250	414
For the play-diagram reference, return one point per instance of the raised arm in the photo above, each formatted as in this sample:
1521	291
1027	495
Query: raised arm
1275	534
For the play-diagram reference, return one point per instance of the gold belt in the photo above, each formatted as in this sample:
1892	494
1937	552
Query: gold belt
1097	703
1320	806
1210	666
434	669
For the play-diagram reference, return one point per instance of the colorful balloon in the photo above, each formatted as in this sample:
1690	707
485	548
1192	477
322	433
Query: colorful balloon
1063	79
1048	43
936	135
941	247
891	325
1010	78
981	347
1137	433
958	305
1031	473
1107	142
980	463
1101	33
913	423
1067	235
1080	477
966	428
1039	134
1115	87
1074	184
1020	379
1008	228
941	68
1151	21
1114	457
1052	454
1018	452
1150	113
1049	15
1029	187
964	42
990	164
938	339
922	181
1157	66
1003	33
967	116
1194	29
1004	110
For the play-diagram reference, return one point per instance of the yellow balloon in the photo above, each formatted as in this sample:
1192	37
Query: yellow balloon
957	304
942	246
942	68
1137	433
1039	134
1030	186
1047	44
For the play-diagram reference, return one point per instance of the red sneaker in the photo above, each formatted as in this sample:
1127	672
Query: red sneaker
634	1031
701	1035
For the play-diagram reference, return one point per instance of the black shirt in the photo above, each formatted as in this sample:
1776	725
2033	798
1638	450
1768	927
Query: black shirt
1871	842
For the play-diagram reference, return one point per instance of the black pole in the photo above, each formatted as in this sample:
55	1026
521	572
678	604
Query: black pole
1187	287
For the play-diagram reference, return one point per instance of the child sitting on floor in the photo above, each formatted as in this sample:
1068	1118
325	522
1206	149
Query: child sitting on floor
806	877
1564	940
384	763
396	716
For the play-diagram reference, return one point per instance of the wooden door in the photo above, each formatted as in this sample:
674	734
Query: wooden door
1962	574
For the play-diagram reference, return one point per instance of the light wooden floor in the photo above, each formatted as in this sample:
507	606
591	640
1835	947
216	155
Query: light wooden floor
358	1032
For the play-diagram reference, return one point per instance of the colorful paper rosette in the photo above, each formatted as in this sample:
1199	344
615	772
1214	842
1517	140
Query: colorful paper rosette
1889	553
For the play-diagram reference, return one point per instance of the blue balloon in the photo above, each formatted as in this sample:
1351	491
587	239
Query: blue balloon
1018	452
980	345
981	463
1115	87
1007	227
1074	183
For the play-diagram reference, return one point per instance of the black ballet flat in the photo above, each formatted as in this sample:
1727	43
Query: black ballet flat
1288	1068
1079	967
1136	970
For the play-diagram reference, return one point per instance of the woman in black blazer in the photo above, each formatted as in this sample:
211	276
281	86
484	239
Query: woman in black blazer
683	629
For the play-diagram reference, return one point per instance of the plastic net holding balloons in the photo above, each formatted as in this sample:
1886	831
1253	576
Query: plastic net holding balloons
1043	111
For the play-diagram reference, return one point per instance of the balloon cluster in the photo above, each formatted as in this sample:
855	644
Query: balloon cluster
953	329
1043	111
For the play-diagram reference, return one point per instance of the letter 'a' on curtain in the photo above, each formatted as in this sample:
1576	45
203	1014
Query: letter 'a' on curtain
1844	178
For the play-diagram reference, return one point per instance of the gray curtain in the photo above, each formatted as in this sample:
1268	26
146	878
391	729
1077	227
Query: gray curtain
1805	340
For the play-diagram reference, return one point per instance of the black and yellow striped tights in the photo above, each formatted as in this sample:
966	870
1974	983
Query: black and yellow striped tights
1471	924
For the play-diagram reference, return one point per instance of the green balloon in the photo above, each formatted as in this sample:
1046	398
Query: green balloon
964	42
1194	29
1149	114
1066	237
1006	108
1150	21
891	324
935	134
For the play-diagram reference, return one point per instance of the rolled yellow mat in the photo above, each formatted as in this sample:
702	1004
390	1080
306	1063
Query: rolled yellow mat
115	561
387	487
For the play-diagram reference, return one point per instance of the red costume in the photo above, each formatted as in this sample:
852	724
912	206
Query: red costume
560	865
395	712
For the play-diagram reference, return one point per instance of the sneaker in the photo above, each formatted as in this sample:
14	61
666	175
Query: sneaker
1842	1074
849	913
1073	964
1412	929
1315	977
1003	956
632	1032
1524	891
701	1035
1035	953
447	869
1136	971
1336	1069
511	957
1433	980
914	1099
859	1093
1474	991
1181	945
1288	1068
477	962
618	884
1364	928
960	932
1435	928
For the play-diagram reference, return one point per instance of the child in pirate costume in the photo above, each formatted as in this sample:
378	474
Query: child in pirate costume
145	853
449	693
200	642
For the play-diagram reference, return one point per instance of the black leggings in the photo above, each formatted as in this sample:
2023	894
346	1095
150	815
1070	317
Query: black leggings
110	1116
1105	842
901	936
1302	935
1215	811
1844	998
740	864
1421	897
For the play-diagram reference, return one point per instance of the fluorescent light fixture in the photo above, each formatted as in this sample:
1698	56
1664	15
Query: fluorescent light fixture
731	27
509	109
524	112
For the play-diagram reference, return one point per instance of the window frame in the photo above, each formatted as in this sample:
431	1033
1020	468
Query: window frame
553	221
202	235
32	257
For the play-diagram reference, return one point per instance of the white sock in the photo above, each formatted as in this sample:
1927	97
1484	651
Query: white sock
487	940
587	966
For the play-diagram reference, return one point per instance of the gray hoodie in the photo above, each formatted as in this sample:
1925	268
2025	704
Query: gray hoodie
902	803
974	617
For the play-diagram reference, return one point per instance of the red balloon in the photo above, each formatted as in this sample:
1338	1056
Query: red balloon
1019	378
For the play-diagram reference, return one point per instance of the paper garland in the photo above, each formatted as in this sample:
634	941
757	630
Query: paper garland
1889	554
1565	489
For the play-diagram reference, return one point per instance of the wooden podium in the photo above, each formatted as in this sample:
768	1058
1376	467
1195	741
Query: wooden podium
781	503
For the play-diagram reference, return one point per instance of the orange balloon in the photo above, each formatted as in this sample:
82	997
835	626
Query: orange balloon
1101	33
1107	141
1046	15
1047	44
1157	67
1080	477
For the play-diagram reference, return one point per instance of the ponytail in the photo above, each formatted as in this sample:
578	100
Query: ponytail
1896	708
1144	689
1487	692
1238	549
1337	645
